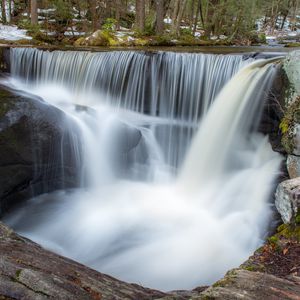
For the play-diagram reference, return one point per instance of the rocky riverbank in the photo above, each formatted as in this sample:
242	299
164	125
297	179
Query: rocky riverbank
27	271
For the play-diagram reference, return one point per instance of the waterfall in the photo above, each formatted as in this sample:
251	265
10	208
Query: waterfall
175	88
161	209
229	131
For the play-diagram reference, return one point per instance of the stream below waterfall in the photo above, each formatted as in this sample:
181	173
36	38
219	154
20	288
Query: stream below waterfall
175	180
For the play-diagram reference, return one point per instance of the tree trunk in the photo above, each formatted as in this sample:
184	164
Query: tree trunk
3	12
175	15
180	15
118	13
199	12
283	21
9	11
211	15
33	12
192	16
294	14
93	8
160	14
140	15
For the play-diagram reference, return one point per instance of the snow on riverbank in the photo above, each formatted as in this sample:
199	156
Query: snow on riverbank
13	33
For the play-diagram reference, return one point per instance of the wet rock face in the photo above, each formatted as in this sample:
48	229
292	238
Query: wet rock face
242	284
293	166
290	124
296	139
36	149
287	199
273	113
290	127
292	69
27	271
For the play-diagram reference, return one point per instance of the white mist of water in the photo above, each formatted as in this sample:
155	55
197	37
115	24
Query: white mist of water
149	226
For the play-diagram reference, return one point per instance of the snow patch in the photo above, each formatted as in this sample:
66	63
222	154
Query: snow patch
12	33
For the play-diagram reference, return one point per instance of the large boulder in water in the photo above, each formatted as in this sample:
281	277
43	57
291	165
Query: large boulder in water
38	148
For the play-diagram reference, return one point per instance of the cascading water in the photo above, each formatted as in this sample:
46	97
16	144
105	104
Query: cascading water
138	218
177	89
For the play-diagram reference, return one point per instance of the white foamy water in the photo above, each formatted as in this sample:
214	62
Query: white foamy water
136	217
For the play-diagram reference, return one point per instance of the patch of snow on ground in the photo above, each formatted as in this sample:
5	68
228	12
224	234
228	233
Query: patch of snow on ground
46	11
168	21
12	33
74	33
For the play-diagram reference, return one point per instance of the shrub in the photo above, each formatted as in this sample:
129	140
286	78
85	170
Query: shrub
109	24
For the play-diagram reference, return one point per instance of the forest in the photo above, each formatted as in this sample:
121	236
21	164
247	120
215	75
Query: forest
233	21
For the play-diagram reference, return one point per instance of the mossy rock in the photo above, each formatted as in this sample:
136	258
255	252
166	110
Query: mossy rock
98	38
290	231
292	45
42	37
289	125
161	40
226	280
80	41
141	42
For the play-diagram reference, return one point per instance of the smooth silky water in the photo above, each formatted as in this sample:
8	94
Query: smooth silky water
175	180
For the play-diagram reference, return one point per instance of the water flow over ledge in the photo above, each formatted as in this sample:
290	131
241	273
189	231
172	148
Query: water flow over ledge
163	231
174	88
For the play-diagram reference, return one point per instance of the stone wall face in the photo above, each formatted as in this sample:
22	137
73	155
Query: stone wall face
288	192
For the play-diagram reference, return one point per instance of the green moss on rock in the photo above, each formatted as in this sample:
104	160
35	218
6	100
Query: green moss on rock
98	38
18	273
292	45
226	280
5	105
290	120
289	231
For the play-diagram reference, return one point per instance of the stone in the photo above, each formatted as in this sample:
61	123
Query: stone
292	69
293	166
27	271
273	113
296	139
38	151
247	285
290	128
287	199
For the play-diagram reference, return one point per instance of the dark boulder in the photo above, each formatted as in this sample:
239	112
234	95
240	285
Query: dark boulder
273	112
37	148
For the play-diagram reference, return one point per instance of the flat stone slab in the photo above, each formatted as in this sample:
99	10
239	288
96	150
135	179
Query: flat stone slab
247	285
27	271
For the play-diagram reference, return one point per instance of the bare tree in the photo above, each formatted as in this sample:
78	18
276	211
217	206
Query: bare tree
179	8
140	15
94	16
118	13
33	12
3	12
160	14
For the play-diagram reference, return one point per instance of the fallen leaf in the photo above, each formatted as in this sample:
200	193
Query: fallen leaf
285	251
